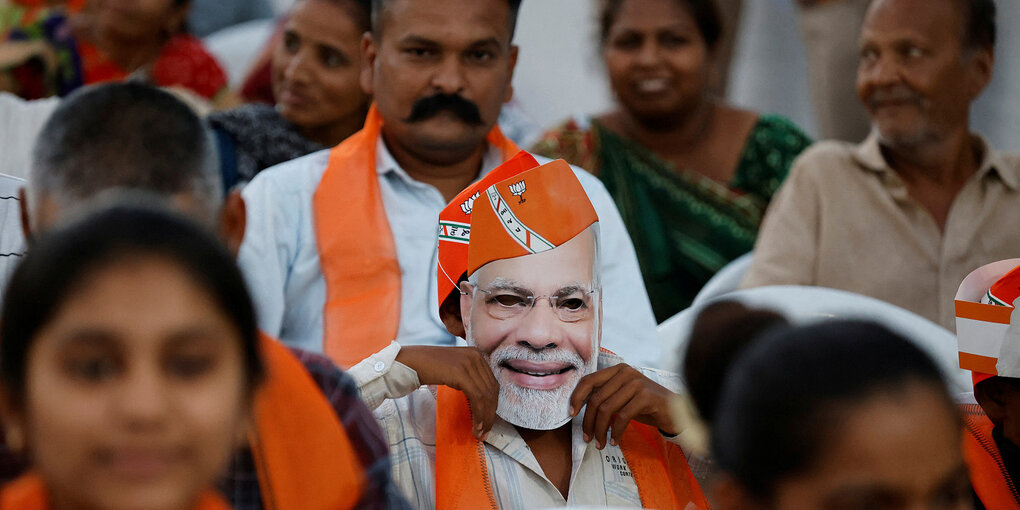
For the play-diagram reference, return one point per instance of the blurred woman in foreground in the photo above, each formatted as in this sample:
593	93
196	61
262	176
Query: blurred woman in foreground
128	365
837	415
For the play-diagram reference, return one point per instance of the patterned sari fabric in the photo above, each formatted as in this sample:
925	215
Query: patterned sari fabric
685	227
182	61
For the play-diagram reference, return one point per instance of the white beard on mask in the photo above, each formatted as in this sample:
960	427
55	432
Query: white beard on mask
532	408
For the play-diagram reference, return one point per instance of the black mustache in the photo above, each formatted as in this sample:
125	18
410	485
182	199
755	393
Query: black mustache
428	107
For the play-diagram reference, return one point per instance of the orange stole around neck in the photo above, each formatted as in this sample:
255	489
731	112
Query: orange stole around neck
303	456
29	493
357	253
660	468
988	474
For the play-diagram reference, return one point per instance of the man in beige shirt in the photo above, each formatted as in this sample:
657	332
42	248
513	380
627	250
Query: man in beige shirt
908	213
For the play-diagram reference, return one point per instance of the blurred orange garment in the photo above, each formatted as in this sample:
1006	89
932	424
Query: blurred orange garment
71	5
182	62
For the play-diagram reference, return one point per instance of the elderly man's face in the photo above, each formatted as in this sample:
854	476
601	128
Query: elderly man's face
440	73
538	354
915	77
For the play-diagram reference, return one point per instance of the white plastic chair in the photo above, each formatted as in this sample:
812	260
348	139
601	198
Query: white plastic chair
808	304
727	279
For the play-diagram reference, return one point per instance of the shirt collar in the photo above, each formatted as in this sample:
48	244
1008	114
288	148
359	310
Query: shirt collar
869	155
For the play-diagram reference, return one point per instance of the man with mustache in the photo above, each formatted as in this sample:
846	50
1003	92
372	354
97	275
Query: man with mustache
524	266
340	246
908	213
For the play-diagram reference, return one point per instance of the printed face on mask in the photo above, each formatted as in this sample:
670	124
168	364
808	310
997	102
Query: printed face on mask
536	318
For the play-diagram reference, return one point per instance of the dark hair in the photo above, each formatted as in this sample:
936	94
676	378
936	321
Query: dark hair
126	135
787	389
378	6
721	331
979	31
63	260
705	13
360	11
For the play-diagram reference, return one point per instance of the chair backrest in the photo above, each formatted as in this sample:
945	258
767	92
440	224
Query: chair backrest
726	280
807	304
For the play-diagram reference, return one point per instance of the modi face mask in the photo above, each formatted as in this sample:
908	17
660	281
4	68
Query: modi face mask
532	299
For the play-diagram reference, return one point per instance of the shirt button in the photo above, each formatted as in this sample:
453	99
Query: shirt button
379	366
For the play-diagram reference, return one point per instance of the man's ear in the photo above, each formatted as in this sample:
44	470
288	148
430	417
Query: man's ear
369	52
449	312
983	61
233	221
26	225
510	81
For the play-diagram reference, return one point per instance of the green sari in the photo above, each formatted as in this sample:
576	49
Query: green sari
685	227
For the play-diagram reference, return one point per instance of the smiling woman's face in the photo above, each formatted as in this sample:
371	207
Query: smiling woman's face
316	68
658	61
135	391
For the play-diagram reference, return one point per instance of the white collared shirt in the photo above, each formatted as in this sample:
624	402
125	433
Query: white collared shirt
406	411
280	257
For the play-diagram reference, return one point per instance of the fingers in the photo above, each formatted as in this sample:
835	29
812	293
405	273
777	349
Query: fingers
597	402
606	411
589	384
624	417
483	398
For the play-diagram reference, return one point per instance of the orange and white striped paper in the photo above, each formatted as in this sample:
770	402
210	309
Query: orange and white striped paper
981	328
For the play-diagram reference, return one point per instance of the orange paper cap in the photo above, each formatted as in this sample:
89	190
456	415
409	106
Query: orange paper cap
455	223
532	212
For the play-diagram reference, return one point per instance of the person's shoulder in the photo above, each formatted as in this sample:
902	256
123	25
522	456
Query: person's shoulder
825	157
778	129
301	175
571	140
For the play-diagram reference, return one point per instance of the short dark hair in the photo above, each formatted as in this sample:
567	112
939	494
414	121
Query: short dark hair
63	260
979	31
775	412
359	10
721	331
705	13
378	6
124	135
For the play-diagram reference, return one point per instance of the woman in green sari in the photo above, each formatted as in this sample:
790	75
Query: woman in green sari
690	175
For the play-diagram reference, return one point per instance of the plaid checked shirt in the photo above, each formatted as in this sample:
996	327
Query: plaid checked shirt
407	413
241	485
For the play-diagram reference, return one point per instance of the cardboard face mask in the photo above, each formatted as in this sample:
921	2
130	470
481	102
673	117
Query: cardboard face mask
536	318
532	302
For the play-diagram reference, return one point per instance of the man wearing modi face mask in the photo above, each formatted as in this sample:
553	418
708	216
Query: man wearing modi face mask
518	418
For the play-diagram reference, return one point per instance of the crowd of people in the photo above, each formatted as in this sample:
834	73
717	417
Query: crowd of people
343	285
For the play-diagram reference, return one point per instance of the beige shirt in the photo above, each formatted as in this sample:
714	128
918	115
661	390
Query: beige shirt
406	411
844	219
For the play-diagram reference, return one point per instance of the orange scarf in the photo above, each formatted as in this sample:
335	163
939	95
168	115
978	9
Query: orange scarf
988	472
357	253
29	493
303	456
660	468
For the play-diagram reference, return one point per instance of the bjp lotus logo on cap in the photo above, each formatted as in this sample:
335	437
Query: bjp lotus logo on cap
518	189
469	204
